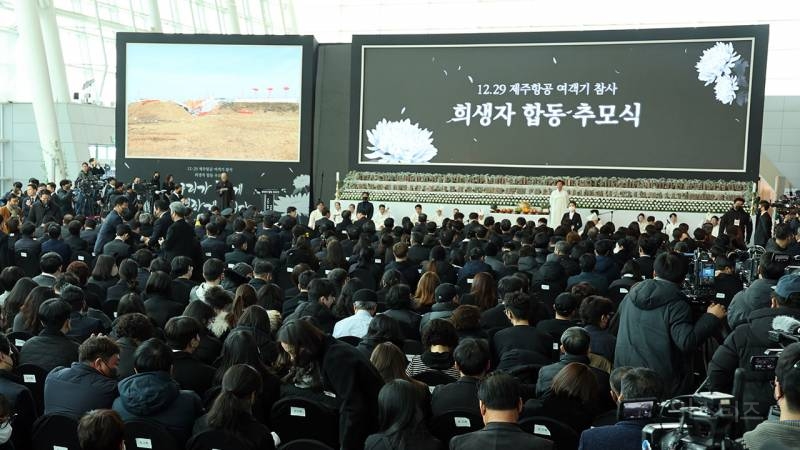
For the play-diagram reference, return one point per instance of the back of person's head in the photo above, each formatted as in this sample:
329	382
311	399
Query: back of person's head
131	303
97	347
152	355
565	304
615	378
383	328
303	338
518	304
180	266
472	357
594	307
466	317
233	405
54	313
399	297
770	269
9	277
255	317
670	267
101	429
576	341
54	231
439	332
74	296
136	326
500	392
509	284
50	262
320	287
213	269
587	261
400	250
398	410
787	372
158	283
217	297
641	382
390	361
262	267
576	381
304	278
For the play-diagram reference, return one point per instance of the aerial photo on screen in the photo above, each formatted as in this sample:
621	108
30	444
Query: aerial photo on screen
214	102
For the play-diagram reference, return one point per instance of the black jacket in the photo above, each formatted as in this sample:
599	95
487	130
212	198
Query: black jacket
547	373
349	375
160	227
321	314
238	256
461	396
156	397
732	217
118	290
40	213
249	430
763	229
500	436
49	350
656	331
420	440
408	320
181	241
161	309
23	405
523	337
575	222
747	340
78	389
408	269
191	373
291	304
118	249
76	244
180	290
214	247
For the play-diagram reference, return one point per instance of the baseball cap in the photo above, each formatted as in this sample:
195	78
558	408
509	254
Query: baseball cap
365	296
565	302
787	285
446	292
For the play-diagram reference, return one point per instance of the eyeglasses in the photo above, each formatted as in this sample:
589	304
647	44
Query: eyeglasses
7	421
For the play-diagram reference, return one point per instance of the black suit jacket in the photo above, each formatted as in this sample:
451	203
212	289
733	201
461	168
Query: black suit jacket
160	227
238	256
76	243
191	373
214	247
461	396
763	229
499	436
40	213
180	290
118	249
22	403
325	222
90	236
576	223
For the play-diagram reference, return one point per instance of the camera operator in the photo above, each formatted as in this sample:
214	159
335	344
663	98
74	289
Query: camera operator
783	242
726	282
786	432
751	339
656	329
758	294
65	197
96	168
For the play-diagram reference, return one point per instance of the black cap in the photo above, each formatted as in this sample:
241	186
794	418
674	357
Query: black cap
446	292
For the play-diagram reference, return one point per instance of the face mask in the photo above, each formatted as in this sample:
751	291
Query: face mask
5	434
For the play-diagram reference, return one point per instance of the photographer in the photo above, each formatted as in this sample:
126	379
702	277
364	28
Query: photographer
752	339
786	432
656	328
783	242
758	294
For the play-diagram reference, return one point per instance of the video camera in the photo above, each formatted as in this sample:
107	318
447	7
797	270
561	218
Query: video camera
701	425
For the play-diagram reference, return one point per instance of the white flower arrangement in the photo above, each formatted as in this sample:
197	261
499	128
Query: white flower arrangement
400	142
715	66
302	181
299	201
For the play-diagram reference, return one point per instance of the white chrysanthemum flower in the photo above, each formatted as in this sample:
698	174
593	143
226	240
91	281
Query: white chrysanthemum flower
299	201
725	89
716	62
302	181
400	142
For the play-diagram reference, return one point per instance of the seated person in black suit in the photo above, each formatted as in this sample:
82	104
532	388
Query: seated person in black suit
521	335
472	360
239	253
182	283
565	306
637	383
51	348
101	429
500	405
574	347
18	395
183	337
118	248
81	326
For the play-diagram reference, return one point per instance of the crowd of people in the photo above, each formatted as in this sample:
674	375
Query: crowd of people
202	322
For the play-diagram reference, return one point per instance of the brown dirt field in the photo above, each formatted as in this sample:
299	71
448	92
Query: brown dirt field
165	130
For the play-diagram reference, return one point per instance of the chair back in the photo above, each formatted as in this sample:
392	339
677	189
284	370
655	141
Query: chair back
28	261
434	378
295	418
18	338
617	293
352	340
305	444
560	433
110	308
216	440
454	423
55	432
145	435
33	378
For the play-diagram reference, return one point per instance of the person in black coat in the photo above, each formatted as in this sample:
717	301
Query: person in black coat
763	230
400	307
500	405
225	191
656	328
365	207
73	239
572	217
118	248
183	337
521	335
239	253
213	246
44	211
19	397
739	217
51	348
161	224
344	370
180	239
321	296
90	383
472	358
159	305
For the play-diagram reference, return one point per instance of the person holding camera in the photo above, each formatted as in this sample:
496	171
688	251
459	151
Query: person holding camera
751	339
758	294
656	328
785	433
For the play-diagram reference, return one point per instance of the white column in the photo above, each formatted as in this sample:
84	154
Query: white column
52	48
154	18
44	111
233	18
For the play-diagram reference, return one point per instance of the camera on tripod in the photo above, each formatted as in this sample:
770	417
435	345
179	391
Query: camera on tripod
703	424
